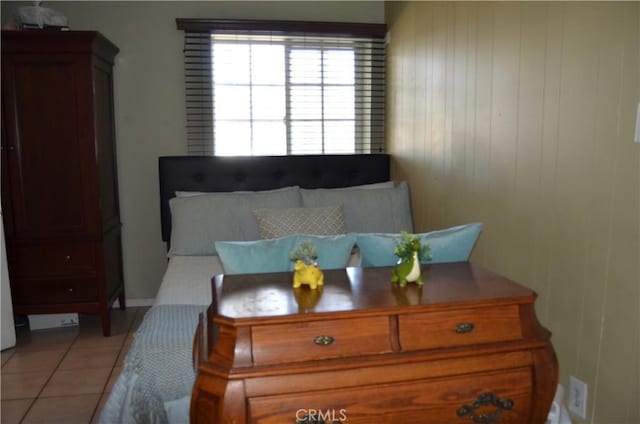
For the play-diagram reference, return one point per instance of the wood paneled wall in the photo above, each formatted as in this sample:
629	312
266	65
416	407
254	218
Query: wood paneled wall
521	116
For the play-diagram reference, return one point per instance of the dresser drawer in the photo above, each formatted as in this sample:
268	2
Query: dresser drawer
437	401
459	328
285	343
54	290
53	259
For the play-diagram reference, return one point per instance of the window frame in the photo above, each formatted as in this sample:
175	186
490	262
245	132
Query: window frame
357	31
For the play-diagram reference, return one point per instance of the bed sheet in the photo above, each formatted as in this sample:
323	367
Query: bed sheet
187	280
157	377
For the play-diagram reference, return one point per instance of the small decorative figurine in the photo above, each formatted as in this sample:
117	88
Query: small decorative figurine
410	252
310	275
306	270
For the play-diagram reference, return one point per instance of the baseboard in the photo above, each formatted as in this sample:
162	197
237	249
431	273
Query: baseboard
135	302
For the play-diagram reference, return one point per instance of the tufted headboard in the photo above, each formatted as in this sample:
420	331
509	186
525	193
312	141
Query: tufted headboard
253	173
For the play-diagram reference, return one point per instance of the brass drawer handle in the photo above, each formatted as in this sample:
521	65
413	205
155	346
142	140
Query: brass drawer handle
464	327
67	258
323	340
485	399
70	289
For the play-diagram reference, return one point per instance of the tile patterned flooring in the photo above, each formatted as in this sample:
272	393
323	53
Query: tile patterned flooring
64	375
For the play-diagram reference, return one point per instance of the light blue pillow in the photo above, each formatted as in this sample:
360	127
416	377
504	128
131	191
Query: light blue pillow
333	251
252	257
450	245
272	255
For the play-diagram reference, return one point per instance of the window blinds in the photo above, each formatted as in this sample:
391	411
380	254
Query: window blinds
277	88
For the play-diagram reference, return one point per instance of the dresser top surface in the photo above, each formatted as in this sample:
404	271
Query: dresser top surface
363	291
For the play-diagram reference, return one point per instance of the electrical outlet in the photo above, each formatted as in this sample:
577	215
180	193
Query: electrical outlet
578	397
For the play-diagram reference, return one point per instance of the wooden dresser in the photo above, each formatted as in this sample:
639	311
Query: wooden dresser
59	179
464	348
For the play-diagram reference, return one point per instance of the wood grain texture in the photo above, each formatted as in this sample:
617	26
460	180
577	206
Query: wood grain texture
521	116
434	401
395	356
53	259
439	329
286	343
254	298
63	227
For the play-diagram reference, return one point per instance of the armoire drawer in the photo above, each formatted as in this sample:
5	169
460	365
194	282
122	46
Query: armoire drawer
285	343
53	291
505	395
53	259
459	328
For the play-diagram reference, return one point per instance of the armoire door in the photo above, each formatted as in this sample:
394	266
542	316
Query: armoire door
50	146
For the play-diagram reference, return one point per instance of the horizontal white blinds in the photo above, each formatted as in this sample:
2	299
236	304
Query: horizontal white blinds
274	93
199	97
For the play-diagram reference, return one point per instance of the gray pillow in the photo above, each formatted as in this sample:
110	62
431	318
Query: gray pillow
367	211
280	222
197	222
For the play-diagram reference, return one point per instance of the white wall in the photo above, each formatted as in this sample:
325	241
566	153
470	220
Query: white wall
149	99
7	331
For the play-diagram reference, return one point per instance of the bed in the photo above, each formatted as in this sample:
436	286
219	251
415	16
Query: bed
157	378
211	208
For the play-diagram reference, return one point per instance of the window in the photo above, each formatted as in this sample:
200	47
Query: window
266	92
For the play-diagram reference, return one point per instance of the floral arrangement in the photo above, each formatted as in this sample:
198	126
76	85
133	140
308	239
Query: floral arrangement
305	251
409	243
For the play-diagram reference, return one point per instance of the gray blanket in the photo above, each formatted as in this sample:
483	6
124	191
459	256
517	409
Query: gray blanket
157	377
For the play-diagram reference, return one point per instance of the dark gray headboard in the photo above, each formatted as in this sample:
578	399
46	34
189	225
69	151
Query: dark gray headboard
223	174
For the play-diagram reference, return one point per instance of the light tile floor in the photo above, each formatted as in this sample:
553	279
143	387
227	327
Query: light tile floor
64	375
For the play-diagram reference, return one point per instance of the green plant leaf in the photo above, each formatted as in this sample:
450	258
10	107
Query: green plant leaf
408	243
305	250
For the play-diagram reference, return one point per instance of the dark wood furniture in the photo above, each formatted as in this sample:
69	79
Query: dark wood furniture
466	347
59	179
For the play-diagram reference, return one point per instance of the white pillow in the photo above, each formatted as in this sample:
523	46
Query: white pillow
386	184
197	222
199	193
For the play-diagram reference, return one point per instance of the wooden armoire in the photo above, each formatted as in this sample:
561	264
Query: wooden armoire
59	177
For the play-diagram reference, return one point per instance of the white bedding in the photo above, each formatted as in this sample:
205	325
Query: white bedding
165	337
187	280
